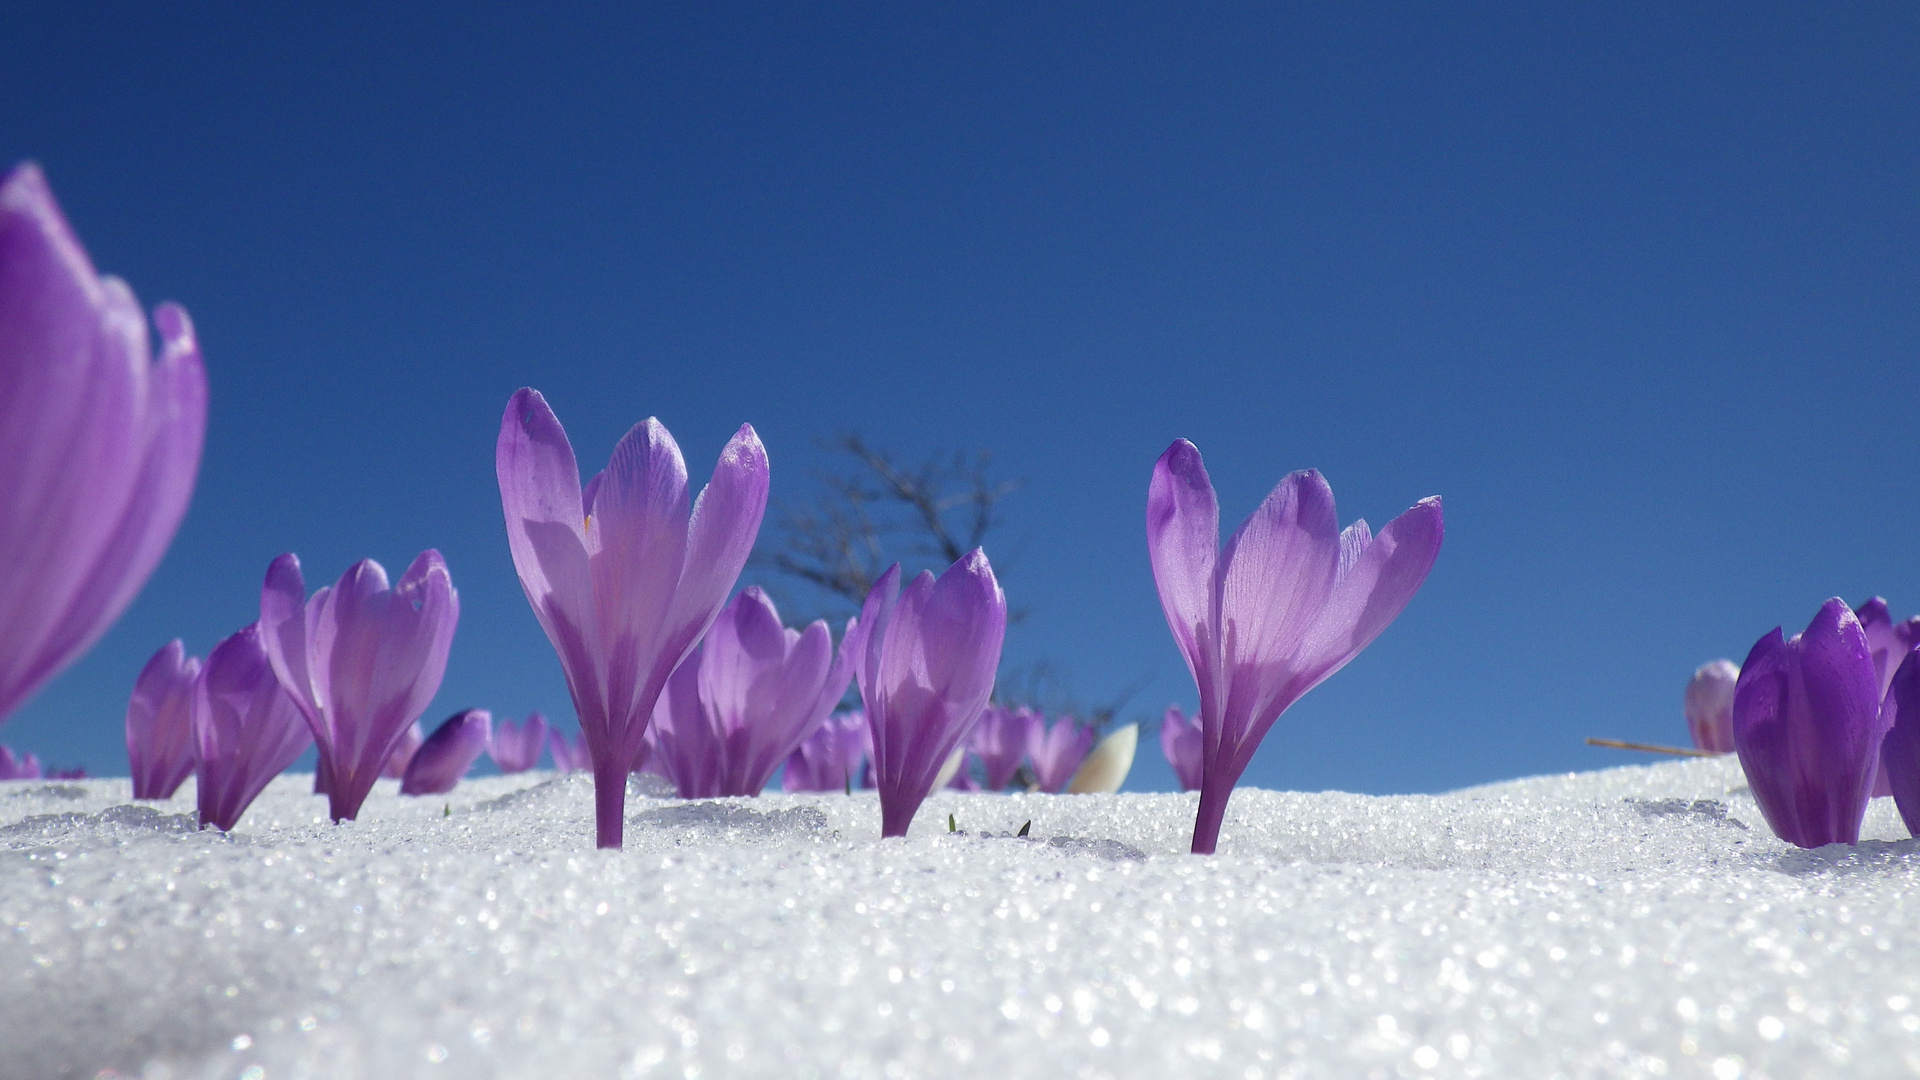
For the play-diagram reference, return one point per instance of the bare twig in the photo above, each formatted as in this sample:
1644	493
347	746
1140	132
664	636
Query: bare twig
1676	751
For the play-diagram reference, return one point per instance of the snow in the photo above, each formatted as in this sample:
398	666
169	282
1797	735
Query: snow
1635	922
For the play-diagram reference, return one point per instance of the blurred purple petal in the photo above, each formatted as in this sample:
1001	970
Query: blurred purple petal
448	753
1057	752
361	660
1900	752
930	653
18	766
1807	725
1180	742
160	723
102	444
1709	705
624	576
246	728
569	754
407	745
831	758
517	747
1286	603
1000	739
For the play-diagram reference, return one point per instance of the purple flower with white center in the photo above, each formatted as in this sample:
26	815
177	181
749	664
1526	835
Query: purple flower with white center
746	700
448	753
925	658
1000	739
1289	601
1180	741
247	729
1709	705
361	659
1056	752
1807	725
517	747
101	443
569	754
832	758
18	766
160	723
1900	752
623	575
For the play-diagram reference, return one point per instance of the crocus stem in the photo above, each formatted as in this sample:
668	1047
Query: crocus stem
894	818
1213	809
609	800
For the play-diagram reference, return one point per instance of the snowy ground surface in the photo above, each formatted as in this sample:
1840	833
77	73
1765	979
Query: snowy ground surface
1634	922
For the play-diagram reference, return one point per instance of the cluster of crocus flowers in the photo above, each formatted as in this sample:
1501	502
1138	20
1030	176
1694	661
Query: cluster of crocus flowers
747	700
361	660
624	575
101	443
1289	601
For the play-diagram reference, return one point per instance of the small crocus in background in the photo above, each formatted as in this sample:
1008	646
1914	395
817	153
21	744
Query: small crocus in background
1056	753
1807	725
101	443
1887	641
160	723
623	575
446	755
1289	601
1000	739
743	703
78	772
517	747
569	754
361	659
832	758
18	766
247	729
1107	766
1709	705
925	658
1900	752
1180	742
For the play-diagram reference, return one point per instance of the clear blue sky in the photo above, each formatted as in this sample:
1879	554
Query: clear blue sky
1632	286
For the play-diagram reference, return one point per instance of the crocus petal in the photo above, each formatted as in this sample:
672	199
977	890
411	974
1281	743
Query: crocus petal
1058	752
448	753
931	654
830	759
101	445
1900	752
1180	742
1000	739
517	747
687	747
1183	543
160	723
247	728
401	755
1807	725
18	766
1106	768
1709	705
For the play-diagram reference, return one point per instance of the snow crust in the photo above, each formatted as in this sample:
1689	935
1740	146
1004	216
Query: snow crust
1640	921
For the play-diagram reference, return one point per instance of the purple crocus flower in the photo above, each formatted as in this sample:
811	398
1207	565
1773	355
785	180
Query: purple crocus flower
448	753
623	575
1288	602
1057	751
160	723
753	693
361	659
1709	705
569	755
925	658
1900	753
1807	725
1889	643
832	758
1180	740
18	766
247	729
1000	739
517	747
101	443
